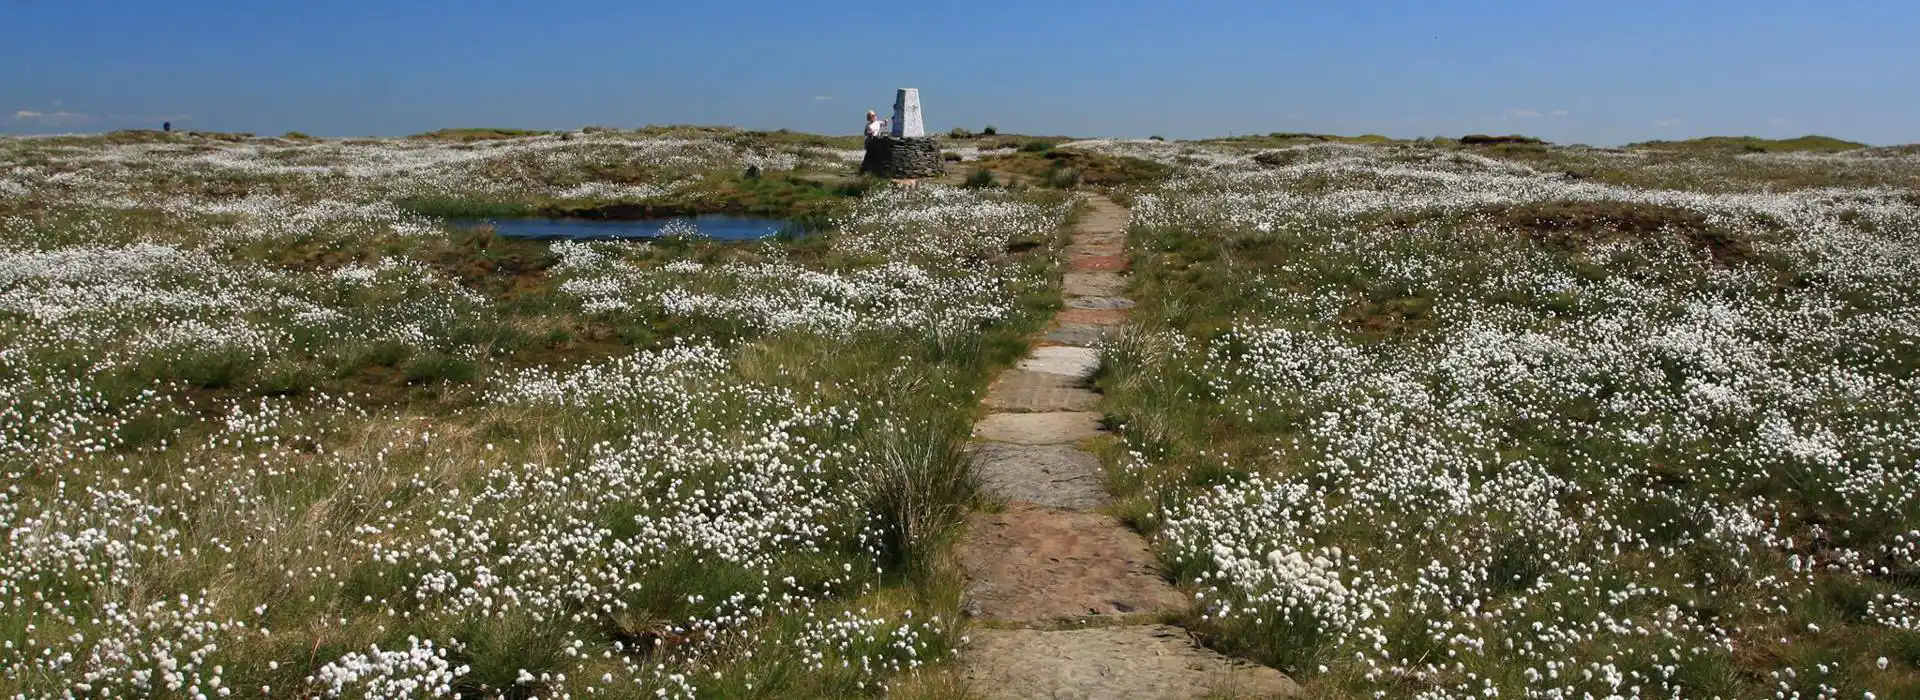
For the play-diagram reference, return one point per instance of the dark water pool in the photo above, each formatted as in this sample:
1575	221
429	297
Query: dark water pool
715	226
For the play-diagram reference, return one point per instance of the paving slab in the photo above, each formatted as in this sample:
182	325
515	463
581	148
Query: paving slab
1153	662
1096	263
1104	216
1093	284
1090	317
1058	428
1077	335
1099	303
1032	564
1056	476
1021	390
1078	363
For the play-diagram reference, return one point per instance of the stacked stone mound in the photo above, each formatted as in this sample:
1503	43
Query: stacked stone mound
903	157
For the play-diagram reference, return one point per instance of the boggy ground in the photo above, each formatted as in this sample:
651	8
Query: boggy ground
270	430
1400	420
1413	420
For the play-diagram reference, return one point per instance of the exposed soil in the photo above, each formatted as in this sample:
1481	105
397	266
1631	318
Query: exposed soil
1278	159
498	267
1578	224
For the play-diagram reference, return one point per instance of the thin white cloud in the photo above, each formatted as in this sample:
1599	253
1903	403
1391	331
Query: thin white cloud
1513	114
1557	113
822	98
1669	123
52	118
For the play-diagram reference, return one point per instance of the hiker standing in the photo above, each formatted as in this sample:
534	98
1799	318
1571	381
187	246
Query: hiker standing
875	125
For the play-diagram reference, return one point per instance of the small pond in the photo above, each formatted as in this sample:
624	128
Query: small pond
719	227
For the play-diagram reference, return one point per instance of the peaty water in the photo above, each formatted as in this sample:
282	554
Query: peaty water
715	226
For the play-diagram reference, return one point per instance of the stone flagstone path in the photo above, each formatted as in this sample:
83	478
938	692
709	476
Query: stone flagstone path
1066	597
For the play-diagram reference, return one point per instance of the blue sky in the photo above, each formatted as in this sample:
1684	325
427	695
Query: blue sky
1592	72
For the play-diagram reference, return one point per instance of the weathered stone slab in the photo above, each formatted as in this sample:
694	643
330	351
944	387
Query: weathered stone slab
1151	662
1091	317
1093	284
1078	363
1096	263
1103	216
1059	428
1077	335
1056	476
1036	564
1099	303
1021	390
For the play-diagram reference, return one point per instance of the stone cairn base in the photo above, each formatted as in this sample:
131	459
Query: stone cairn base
903	157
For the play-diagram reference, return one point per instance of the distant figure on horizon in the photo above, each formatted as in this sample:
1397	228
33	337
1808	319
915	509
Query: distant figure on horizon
166	127
875	125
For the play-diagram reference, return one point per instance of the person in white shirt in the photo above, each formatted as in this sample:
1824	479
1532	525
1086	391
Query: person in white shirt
875	125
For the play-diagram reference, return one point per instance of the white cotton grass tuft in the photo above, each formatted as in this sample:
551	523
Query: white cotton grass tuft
1564	464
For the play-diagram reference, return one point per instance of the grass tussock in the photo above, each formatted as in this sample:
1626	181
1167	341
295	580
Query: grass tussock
919	484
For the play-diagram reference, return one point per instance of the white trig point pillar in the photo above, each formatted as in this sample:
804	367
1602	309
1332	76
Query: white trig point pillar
906	114
906	152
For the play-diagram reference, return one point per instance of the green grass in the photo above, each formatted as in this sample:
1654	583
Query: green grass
490	307
1196	283
1750	144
